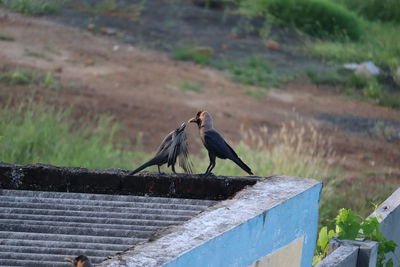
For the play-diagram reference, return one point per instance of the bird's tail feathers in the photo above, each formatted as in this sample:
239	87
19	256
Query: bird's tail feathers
151	162
243	165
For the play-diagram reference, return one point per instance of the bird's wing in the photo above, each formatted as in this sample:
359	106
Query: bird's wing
166	142
216	144
179	148
184	160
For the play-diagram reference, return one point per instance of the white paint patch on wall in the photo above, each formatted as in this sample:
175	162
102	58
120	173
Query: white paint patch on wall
289	255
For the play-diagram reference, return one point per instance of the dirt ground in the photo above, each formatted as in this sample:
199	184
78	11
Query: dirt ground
136	86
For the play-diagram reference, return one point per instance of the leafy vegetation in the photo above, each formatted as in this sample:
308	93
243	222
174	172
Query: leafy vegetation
253	71
14	78
33	133
318	18
191	86
4	37
113	8
199	55
366	87
29	77
378	44
349	226
32	7
255	92
383	10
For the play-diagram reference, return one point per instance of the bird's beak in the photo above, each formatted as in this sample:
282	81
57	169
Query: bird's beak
192	120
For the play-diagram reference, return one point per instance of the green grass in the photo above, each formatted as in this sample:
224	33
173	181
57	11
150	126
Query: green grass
199	55
32	53
253	71
4	37
30	77
32	7
318	18
191	86
33	133
255	92
15	78
326	78
354	85
382	10
378	44
113	8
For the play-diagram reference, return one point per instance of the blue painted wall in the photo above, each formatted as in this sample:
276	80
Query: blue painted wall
261	235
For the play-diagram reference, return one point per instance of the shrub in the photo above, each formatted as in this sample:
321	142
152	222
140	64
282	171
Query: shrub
383	10
32	7
199	55
253	71
320	18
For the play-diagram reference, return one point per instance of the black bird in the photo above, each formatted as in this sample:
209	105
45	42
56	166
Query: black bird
80	261
174	145
215	143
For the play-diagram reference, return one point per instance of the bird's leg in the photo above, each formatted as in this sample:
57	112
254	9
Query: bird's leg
212	163
209	166
173	168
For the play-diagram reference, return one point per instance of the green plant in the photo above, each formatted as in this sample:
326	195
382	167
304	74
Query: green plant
4	37
378	44
49	81
30	77
32	7
255	92
390	100
350	226
252	71
384	10
325	78
36	132
319	18
14	78
113	8
199	55
373	90
191	86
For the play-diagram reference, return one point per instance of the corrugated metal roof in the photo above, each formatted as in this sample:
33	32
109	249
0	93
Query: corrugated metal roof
42	228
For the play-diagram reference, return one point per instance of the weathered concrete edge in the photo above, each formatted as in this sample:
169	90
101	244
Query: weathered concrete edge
222	217
42	177
344	256
388	214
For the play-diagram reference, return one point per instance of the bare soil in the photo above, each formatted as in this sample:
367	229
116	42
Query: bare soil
136	86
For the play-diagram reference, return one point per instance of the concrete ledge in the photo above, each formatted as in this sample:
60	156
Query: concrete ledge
256	222
344	256
40	177
388	214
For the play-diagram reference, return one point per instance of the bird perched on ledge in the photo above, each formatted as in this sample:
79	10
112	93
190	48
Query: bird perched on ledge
80	261
173	147
215	143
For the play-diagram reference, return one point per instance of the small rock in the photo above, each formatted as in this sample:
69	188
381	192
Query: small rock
115	48
272	45
91	27
366	69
